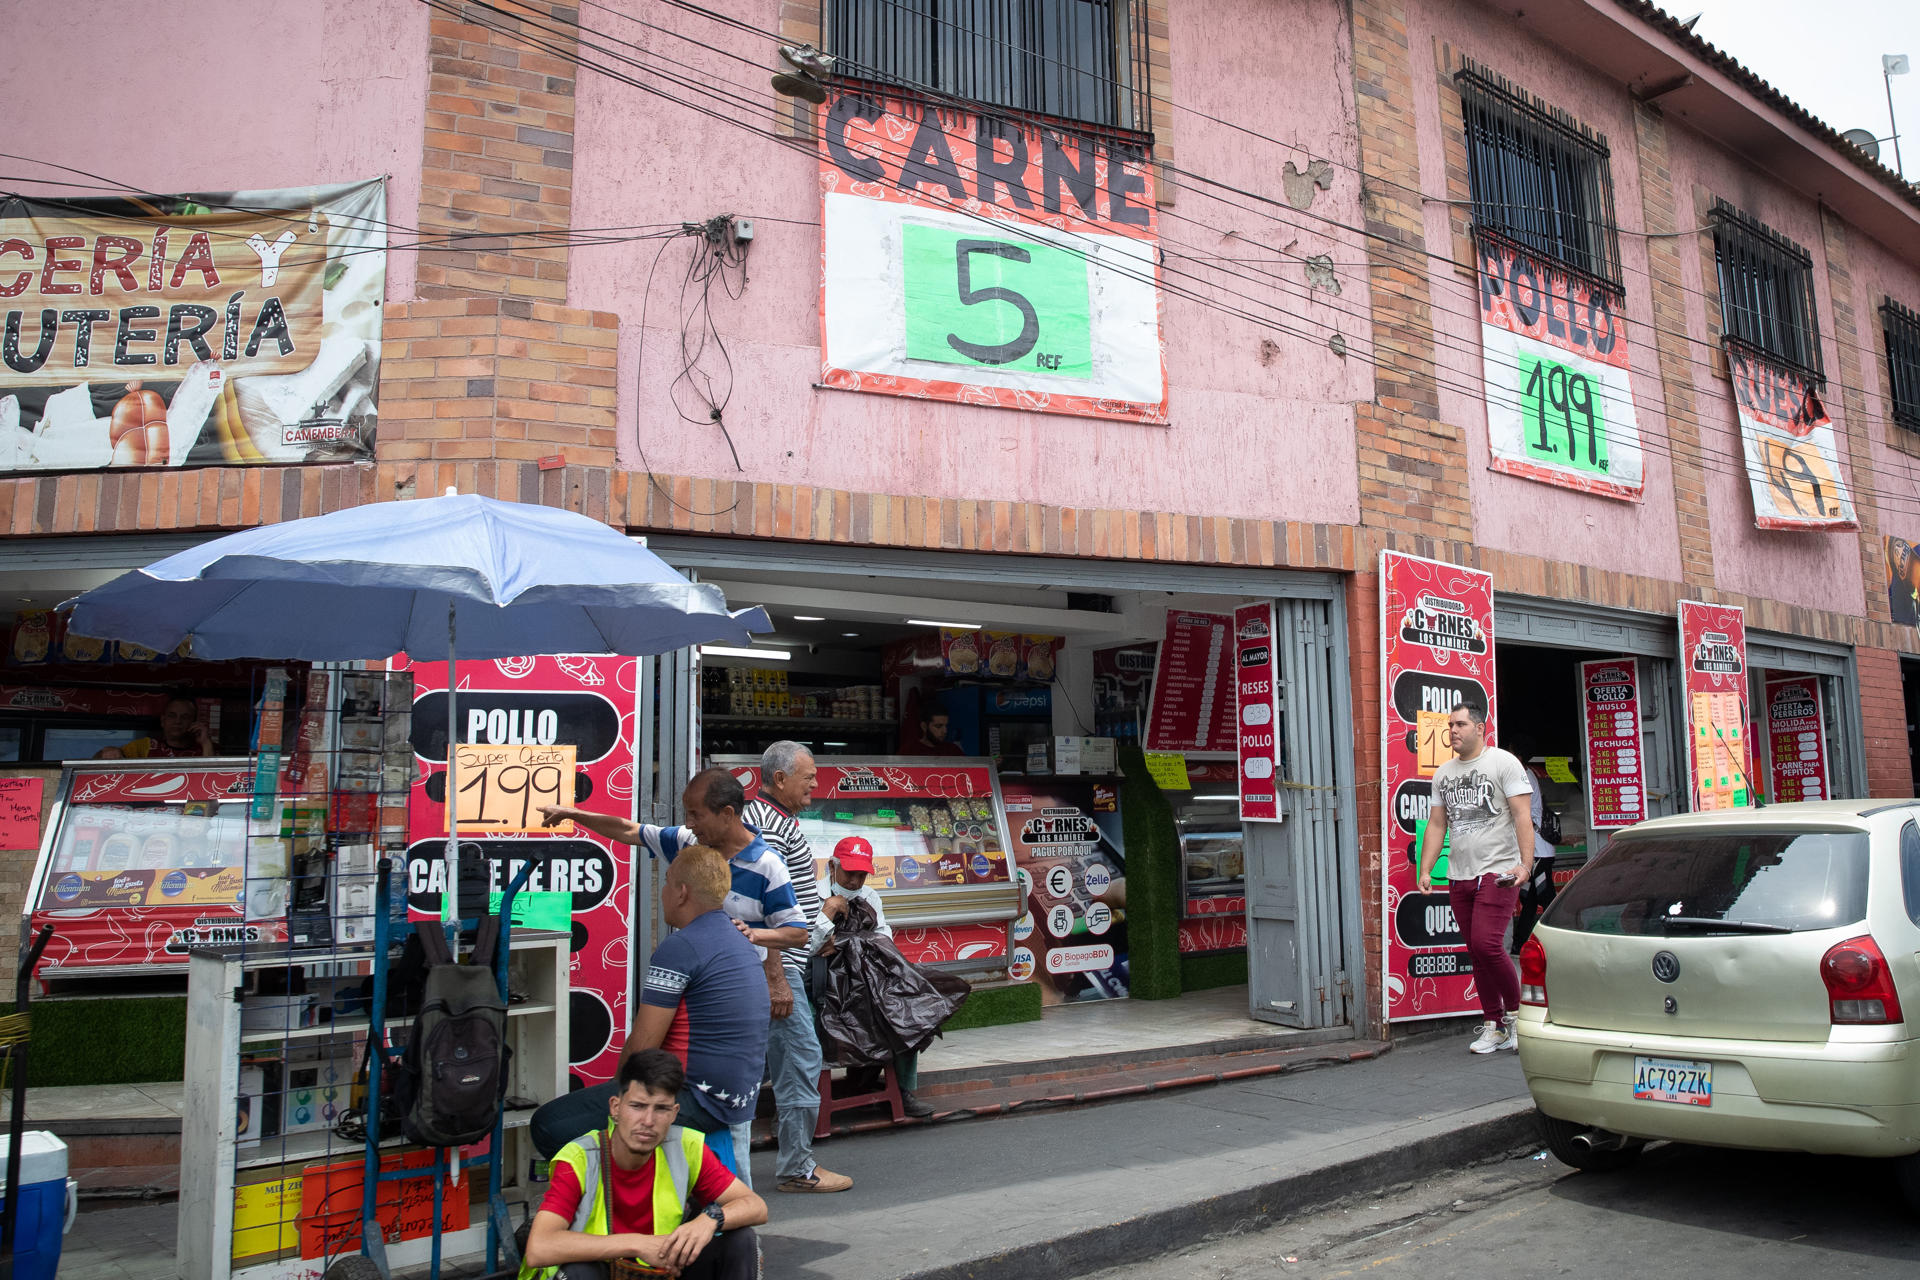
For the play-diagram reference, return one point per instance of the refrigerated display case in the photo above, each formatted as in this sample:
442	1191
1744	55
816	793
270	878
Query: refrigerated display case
1213	885
939	836
143	860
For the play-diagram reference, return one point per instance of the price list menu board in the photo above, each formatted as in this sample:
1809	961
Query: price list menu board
1193	695
1796	739
1616	761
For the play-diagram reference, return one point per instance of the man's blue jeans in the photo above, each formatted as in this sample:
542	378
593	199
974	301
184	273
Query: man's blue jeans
794	1062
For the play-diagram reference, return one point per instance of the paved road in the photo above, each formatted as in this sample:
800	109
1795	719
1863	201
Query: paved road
1684	1214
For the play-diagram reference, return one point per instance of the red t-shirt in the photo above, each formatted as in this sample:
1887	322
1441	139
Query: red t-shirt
632	1209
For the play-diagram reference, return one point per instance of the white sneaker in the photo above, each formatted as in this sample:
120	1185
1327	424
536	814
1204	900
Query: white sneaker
1491	1037
1510	1035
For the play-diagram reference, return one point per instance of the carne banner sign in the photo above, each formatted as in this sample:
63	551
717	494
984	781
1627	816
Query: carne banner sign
988	262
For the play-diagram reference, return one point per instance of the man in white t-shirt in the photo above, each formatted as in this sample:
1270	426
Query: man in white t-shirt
1482	800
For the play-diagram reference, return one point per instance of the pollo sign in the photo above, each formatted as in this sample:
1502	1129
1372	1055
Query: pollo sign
171	331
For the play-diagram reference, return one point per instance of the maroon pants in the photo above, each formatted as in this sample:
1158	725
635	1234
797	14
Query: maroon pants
1483	909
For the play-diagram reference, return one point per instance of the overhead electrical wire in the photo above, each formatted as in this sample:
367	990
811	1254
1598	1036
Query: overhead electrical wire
1709	453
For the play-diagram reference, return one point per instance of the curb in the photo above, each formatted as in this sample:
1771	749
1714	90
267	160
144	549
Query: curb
1151	1235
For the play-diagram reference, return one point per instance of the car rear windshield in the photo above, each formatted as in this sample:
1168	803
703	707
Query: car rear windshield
1718	882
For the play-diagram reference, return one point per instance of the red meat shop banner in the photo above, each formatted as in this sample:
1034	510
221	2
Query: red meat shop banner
931	826
1192	691
149	863
1793	455
1713	660
1257	697
1796	739
1436	650
585	884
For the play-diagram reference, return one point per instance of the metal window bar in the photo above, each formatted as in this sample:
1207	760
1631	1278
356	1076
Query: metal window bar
1539	178
1080	60
1901	327
1766	291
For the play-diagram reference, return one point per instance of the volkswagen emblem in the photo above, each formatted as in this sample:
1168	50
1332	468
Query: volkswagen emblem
1666	966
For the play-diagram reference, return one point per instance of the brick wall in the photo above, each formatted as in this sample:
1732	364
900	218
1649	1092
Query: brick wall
1883	723
1682	421
1854	426
497	166
1413	466
1363	640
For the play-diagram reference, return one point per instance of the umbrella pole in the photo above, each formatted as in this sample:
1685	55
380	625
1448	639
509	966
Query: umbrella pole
451	898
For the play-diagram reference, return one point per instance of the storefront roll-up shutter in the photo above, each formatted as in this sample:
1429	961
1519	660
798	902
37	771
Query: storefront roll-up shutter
1297	892
664	760
1662	772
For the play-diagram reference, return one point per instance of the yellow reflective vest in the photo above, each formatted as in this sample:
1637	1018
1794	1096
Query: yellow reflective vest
680	1153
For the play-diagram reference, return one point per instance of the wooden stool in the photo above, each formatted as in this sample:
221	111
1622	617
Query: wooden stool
888	1092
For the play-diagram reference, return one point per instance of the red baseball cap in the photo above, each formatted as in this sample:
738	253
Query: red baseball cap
854	854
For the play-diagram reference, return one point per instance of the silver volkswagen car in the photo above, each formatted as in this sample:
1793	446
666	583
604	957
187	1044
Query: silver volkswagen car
1740	978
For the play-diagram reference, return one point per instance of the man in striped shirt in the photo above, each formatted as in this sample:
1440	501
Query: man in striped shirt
759	898
794	1060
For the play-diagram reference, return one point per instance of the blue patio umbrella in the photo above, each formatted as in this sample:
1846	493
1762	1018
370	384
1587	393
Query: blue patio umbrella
506	579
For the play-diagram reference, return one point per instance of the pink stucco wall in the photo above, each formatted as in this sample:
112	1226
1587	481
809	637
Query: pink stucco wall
1511	513
1262	414
1895	482
219	95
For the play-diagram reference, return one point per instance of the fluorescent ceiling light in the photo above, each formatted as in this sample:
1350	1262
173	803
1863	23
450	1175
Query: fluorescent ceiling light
728	651
807	617
850	634
950	626
1216	797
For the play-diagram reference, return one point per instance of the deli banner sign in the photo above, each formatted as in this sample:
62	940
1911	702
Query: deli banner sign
1436	650
1616	754
1257	681
988	262
1793	458
1796	739
230	328
1713	659
1559	407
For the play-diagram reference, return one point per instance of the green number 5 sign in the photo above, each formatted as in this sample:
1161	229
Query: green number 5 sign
985	301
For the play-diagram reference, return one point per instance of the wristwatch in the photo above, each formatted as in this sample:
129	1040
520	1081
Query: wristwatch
719	1216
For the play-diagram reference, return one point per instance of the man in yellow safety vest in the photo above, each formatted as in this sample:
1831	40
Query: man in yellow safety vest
643	1188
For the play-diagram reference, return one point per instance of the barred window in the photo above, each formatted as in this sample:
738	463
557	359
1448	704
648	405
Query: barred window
1081	60
1766	291
1540	179
1902	329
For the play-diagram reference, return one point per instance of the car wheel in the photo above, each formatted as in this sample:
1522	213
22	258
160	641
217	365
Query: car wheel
354	1266
1560	1135
1906	1175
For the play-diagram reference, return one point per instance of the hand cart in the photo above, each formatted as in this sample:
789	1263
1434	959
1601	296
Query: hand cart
371	1262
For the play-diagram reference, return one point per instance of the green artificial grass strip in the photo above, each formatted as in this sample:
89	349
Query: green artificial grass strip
1203	973
997	1006
1153	881
125	1041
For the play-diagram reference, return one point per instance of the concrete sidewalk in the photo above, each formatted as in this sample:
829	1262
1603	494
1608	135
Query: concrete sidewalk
1058	1193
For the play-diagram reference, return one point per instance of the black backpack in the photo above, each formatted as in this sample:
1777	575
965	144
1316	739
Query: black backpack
1550	826
452	1075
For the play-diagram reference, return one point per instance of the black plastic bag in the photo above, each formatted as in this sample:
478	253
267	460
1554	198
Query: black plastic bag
877	1003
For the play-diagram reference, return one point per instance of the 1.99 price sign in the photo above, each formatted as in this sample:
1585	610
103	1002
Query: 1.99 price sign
994	264
1559	408
503	788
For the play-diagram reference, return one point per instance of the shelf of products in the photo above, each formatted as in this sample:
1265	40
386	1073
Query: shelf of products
802	722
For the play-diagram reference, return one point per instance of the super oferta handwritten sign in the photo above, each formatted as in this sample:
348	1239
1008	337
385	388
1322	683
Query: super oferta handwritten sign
503	787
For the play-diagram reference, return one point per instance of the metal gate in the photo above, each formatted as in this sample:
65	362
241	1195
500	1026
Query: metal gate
664	758
1302	874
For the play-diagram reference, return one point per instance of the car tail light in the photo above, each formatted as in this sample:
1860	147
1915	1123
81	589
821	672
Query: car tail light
1859	984
1533	973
